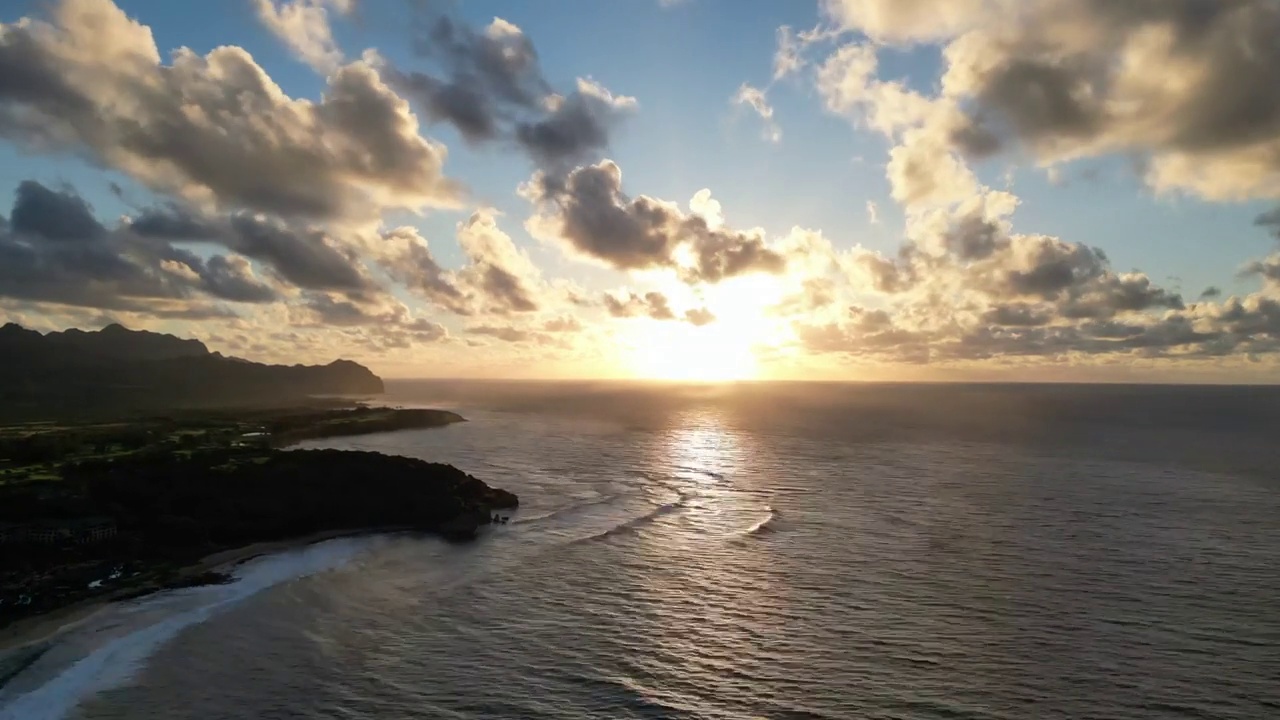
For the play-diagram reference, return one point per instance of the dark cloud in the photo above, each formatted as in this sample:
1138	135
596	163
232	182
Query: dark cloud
590	212
231	278
489	85
1210	293
1193	84
1271	221
1267	268
53	215
52	249
331	311
214	129
1018	314
305	257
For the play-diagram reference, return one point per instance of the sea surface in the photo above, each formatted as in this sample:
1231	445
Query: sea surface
755	551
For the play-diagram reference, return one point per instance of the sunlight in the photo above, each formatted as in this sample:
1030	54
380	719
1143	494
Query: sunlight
723	350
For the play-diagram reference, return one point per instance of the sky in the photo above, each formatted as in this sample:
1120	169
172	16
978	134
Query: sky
656	189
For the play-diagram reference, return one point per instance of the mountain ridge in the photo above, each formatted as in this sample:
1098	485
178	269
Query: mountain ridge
118	369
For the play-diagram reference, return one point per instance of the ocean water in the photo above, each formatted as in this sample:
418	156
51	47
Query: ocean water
760	551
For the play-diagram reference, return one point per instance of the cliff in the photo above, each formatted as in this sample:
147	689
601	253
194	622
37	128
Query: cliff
116	370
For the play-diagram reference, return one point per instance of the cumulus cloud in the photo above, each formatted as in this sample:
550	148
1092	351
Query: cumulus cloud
490	86
754	98
903	21
1191	86
53	249
652	304
968	288
499	271
699	316
304	256
213	129
707	207
303	25
589	212
498	278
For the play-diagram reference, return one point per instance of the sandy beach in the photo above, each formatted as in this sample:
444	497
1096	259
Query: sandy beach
26	634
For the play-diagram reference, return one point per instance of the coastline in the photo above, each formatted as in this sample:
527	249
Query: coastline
23	640
24	636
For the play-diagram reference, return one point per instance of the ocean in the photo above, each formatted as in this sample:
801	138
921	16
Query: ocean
755	551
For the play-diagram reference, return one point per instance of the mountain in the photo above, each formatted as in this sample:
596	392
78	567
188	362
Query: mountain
115	370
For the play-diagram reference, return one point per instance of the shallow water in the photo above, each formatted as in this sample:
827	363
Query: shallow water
696	559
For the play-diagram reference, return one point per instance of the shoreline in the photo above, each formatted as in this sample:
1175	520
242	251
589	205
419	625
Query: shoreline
24	636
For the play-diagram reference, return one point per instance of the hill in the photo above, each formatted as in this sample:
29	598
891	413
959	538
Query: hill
116	371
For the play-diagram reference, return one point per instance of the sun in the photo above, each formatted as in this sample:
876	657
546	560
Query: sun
721	351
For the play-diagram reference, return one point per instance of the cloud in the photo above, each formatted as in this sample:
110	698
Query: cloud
1271	221
592	216
754	98
707	207
652	304
213	129
1267	268
873	213
306	257
499	271
53	249
699	316
489	85
1191	86
231	277
967	288
566	323
902	21
787	59
409	261
498	279
1188	88
510	334
303	25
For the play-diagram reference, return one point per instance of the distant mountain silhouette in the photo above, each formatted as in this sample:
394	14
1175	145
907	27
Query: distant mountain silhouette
118	370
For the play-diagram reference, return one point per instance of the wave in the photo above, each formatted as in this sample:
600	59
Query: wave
564	510
768	525
116	662
699	471
630	525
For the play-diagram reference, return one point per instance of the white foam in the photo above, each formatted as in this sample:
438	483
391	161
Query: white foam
116	662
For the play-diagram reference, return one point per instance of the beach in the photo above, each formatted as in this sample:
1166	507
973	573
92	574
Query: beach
25	636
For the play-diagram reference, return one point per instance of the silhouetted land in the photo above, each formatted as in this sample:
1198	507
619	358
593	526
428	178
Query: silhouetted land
114	371
96	509
114	511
